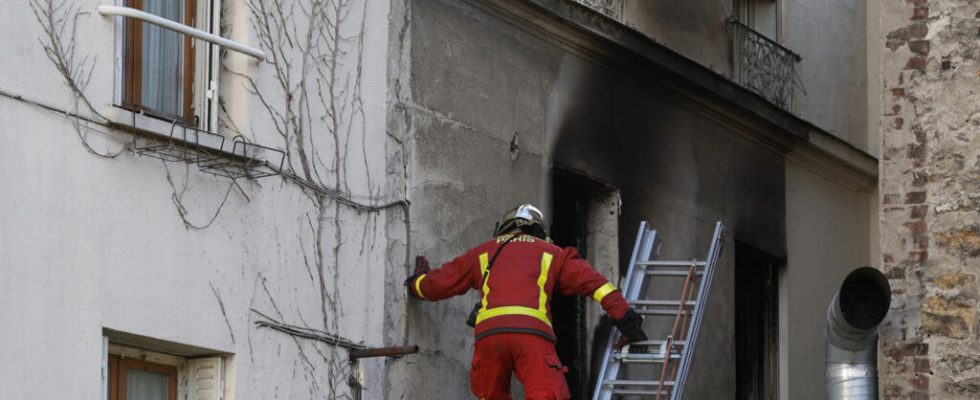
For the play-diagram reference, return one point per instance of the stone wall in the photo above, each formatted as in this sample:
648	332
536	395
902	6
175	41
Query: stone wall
930	199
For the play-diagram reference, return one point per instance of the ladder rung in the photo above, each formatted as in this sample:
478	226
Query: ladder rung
671	312
644	358
658	343
662	302
641	392
657	263
626	382
670	273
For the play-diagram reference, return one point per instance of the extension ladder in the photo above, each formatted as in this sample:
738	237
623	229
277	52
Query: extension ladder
672	353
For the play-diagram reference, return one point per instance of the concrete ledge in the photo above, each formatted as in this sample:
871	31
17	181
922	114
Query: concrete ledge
836	160
160	345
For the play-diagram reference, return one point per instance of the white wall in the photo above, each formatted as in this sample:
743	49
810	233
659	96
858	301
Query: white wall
89	243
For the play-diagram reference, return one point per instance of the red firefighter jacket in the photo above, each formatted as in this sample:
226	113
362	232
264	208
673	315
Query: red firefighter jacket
516	296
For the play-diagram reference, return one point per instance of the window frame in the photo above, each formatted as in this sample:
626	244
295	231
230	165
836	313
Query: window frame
119	365
132	50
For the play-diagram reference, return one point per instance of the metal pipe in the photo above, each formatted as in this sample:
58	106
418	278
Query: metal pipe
383	352
852	335
178	27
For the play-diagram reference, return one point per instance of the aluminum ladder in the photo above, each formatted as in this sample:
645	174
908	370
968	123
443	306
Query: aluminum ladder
673	349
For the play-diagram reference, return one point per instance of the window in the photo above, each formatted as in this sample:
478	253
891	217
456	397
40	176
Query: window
764	16
135	379
168	372
158	63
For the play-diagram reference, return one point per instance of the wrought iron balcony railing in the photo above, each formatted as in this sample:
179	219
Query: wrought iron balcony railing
764	66
611	8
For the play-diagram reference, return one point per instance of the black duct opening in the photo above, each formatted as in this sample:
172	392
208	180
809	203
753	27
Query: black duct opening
864	297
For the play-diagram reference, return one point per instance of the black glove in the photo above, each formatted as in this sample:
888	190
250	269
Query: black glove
409	283
421	267
631	326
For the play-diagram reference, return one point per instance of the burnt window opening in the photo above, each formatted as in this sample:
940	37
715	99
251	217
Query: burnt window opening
756	323
575	200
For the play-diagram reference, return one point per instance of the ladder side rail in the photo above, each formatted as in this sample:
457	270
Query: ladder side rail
636	274
635	257
610	368
694	328
648	250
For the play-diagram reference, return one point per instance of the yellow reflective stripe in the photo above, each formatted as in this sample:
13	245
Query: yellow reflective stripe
542	280
484	263
418	289
512	310
602	291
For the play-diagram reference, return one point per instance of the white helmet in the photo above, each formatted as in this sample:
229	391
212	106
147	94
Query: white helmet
525	217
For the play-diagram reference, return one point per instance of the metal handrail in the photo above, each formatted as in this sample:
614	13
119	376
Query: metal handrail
181	28
740	24
764	66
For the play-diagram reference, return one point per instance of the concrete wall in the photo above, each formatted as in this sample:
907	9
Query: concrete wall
833	70
696	29
89	243
827	236
930	239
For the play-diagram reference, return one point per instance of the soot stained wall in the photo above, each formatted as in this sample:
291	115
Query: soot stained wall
493	107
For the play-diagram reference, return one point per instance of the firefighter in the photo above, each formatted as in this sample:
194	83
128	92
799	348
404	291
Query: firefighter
517	272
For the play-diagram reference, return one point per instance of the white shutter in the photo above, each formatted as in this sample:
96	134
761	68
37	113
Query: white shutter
105	367
205	381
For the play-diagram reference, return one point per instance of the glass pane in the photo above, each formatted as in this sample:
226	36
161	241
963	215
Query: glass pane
163	55
144	385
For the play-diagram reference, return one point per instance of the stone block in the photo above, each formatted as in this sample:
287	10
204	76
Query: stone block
964	241
953	317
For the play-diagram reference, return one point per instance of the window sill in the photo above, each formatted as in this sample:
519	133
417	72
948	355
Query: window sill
212	152
159	129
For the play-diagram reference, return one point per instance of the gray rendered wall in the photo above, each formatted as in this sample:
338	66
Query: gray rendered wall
467	82
833	69
695	29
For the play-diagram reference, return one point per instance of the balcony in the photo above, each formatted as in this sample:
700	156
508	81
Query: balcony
764	66
610	8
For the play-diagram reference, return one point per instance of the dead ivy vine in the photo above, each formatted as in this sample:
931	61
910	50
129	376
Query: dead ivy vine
315	53
59	21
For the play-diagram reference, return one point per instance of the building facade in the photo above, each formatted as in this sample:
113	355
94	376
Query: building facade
234	221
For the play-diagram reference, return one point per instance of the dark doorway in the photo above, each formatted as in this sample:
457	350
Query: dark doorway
572	196
756	323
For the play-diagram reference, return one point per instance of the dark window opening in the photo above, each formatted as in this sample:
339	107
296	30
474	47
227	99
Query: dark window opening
756	323
573	195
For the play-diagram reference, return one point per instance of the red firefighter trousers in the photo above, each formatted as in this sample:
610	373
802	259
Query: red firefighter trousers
531	357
